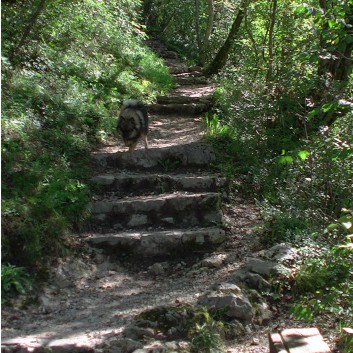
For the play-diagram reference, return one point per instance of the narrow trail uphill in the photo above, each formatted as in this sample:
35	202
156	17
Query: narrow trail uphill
162	201
162	238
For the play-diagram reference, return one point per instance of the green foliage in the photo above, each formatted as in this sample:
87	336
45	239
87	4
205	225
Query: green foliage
175	24
324	283
264	133
67	67
207	338
346	343
207	332
325	286
14	281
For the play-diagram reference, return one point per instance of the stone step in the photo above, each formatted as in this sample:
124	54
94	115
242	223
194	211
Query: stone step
296	340
142	183
183	109
188	74
192	155
161	49
178	99
191	80
165	211
182	69
159	243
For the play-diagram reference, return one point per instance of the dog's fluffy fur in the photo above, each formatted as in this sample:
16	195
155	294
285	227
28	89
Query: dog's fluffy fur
133	123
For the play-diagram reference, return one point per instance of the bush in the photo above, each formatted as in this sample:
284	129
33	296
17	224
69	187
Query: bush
324	283
14	281
302	182
63	86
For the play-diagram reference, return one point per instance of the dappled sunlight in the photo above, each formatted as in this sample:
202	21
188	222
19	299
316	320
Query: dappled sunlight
105	302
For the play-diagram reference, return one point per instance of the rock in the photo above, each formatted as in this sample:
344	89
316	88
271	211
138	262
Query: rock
255	281
234	329
227	288
267	268
157	269
234	306
215	261
125	345
282	253
154	347
61	279
46	304
146	323
255	342
262	313
137	333
137	220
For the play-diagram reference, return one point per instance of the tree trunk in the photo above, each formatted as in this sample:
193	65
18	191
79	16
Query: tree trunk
220	59
269	74
147	5
197	24
28	29
205	42
337	61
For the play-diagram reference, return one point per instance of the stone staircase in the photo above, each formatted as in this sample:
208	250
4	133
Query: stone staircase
165	200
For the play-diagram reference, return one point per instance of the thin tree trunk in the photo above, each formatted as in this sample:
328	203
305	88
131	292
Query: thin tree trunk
220	59
269	74
147	5
254	45
197	19
28	29
205	42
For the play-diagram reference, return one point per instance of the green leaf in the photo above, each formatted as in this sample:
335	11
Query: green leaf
332	226
327	107
303	155
346	218
313	113
285	160
302	9
331	23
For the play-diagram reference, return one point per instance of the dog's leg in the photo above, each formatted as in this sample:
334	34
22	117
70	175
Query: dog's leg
132	147
145	141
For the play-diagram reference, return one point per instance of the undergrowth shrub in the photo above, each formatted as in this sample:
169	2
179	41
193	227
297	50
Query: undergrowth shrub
324	283
301	181
62	89
14	281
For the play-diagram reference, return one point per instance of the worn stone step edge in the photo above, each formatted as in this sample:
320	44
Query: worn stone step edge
143	183
158	242
176	70
171	108
188	74
178	200
178	99
164	211
189	155
191	80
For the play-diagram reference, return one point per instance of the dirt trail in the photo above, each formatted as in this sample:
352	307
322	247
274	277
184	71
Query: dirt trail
92	298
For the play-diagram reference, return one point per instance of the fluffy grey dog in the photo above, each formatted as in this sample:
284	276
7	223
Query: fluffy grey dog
133	123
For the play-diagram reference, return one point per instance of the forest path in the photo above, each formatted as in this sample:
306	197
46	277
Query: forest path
93	298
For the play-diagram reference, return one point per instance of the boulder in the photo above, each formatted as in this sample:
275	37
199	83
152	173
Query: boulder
282	253
235	306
